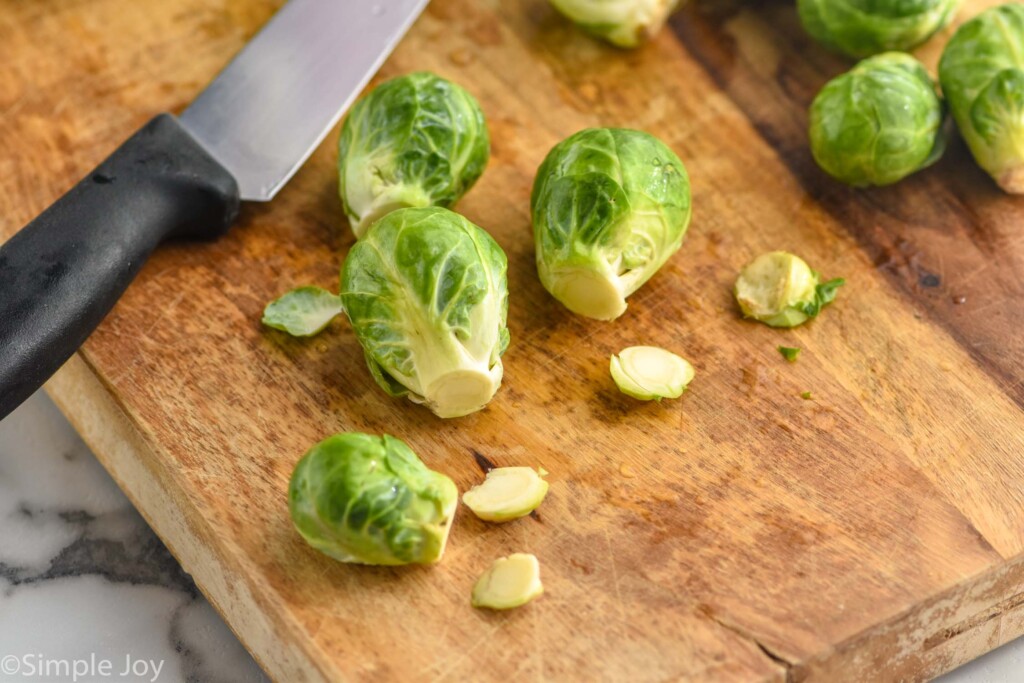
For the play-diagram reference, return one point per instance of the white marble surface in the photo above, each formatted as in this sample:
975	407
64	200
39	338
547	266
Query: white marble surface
83	580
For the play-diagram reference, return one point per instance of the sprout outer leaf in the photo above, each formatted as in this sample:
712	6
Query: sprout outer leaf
789	353
302	312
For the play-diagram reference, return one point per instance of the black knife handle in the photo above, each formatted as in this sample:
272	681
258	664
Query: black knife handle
62	273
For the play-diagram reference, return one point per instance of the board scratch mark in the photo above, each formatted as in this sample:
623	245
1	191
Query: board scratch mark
464	655
615	577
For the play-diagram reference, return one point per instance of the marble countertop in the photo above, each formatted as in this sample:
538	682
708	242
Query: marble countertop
89	593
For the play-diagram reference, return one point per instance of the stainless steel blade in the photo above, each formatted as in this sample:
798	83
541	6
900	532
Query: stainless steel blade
272	105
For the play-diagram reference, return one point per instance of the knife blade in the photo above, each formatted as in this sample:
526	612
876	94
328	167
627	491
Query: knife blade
242	138
269	109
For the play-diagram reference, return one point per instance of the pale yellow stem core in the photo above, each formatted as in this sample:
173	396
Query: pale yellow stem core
507	493
511	582
589	293
650	373
461	392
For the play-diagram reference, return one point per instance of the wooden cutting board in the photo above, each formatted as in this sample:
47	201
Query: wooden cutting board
740	533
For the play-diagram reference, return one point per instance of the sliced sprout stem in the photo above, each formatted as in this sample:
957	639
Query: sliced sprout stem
650	373
507	493
510	582
780	290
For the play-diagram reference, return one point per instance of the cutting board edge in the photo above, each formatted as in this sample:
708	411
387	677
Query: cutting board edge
124	453
935	636
122	450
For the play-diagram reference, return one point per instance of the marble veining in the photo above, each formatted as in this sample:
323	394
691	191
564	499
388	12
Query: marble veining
83	579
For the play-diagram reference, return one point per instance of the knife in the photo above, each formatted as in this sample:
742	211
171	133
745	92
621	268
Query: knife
242	139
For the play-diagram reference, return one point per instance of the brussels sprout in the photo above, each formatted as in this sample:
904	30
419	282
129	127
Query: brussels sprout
982	76
862	28
651	374
370	500
781	290
417	140
878	122
507	493
511	582
625	23
302	312
609	206
427	296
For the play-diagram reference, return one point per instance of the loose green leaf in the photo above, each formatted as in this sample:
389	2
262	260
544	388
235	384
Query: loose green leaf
302	312
789	353
824	294
807	396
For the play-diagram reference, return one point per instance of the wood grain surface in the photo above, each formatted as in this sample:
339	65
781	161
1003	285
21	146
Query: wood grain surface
740	533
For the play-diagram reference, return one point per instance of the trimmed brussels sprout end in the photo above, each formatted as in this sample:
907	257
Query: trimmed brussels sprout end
625	25
507	493
649	373
588	292
388	200
774	287
439	533
462	391
1012	181
511	582
780	290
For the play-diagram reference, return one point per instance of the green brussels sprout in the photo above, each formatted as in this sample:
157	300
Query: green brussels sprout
427	295
417	140
370	500
982	76
625	23
781	290
609	206
878	122
862	28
